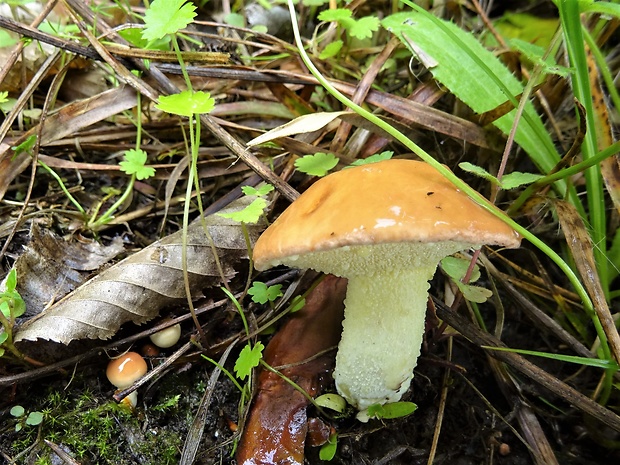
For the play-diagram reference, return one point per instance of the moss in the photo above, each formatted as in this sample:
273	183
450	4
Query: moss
95	431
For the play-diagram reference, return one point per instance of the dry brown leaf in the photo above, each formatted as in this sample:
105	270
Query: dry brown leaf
582	249
137	288
51	267
610	167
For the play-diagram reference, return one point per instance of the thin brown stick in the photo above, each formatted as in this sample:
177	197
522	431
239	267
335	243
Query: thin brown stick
540	376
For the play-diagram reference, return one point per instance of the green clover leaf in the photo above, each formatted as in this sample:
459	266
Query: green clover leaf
373	159
261	293
259	191
316	165
364	27
250	214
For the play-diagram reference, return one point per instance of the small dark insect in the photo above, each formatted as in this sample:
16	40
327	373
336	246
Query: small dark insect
430	193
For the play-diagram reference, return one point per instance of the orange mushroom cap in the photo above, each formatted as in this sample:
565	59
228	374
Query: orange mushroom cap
125	370
391	201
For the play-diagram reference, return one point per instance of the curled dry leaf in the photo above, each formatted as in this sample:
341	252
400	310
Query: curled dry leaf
275	431
582	249
51	267
136	288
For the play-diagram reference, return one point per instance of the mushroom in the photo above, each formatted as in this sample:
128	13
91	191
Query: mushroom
385	226
167	337
125	370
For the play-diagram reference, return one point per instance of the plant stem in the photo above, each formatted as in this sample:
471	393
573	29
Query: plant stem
108	215
63	187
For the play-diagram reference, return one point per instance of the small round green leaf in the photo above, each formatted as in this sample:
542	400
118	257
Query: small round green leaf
17	411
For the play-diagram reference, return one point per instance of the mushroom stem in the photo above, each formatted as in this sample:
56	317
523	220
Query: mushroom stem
382	335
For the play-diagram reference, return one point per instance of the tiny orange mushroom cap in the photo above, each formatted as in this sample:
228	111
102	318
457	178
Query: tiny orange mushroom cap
125	370
385	226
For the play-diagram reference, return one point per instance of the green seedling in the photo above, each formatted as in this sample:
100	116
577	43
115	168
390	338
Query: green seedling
133	164
167	17
32	419
328	450
12	306
164	18
259	191
390	411
332	401
331	50
362	28
187	103
387	155
318	164
457	268
249	358
250	214
507	182
253	212
261	293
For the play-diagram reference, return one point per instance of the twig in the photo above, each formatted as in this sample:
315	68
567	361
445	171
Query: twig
540	376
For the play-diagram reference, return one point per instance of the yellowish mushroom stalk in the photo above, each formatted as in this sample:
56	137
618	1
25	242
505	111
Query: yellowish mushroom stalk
385	312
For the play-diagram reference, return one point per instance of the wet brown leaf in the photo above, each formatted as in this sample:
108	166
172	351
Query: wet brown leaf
275	431
136	288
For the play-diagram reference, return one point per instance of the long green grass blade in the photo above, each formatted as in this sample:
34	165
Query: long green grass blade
570	18
584	361
476	76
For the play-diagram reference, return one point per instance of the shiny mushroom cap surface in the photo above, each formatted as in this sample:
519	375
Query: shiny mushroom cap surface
392	201
125	370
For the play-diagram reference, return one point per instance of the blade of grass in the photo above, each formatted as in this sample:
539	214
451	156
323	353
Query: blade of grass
479	79
583	361
570	18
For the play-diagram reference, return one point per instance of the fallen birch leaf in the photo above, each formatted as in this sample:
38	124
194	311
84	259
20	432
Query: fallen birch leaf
137	288
275	431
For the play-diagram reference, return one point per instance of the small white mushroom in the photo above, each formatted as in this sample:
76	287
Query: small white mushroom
166	337
384	226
